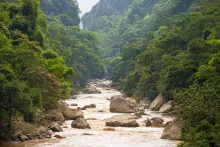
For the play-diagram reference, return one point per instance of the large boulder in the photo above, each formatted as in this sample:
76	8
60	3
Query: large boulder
55	115
168	107
117	96
91	90
157	122
157	103
80	123
70	114
121	105
56	128
122	121
172	131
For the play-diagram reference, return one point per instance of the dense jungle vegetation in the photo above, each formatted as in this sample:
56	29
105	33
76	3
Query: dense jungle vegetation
170	47
44	57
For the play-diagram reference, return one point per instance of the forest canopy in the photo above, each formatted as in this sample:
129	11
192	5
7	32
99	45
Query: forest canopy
44	57
168	47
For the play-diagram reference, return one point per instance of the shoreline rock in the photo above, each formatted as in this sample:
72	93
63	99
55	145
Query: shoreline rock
56	128
166	108
157	103
172	131
68	113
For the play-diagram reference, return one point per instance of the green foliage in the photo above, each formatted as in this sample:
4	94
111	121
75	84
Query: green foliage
65	11
169	47
198	108
37	58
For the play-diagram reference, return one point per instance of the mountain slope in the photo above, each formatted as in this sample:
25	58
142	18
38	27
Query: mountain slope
169	47
43	59
104	8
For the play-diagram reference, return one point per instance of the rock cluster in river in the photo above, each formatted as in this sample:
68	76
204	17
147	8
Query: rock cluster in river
38	133
118	104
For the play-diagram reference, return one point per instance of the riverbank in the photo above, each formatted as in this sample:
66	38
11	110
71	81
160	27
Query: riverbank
96	136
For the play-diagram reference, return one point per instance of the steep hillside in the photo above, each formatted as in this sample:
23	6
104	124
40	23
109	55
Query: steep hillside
62	11
169	47
104	8
78	47
44	58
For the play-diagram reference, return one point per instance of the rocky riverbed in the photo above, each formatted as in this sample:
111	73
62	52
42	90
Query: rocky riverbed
101	135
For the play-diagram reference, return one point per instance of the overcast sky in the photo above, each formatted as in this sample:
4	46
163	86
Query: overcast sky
86	5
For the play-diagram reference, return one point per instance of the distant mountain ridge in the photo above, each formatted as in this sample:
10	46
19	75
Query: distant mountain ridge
104	8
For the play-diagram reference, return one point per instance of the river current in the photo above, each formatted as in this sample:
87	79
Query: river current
95	137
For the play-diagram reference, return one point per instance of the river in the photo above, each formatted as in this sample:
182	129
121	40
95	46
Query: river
122	137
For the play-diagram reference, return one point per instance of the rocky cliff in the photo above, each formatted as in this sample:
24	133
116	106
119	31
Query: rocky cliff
104	8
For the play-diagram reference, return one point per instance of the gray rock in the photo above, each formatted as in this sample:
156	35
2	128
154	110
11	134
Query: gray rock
157	103
92	106
122	121
172	131
80	123
56	128
120	105
73	104
157	122
166	108
89	134
70	114
59	136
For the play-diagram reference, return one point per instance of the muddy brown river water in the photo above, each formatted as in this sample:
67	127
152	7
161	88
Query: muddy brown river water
122	137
